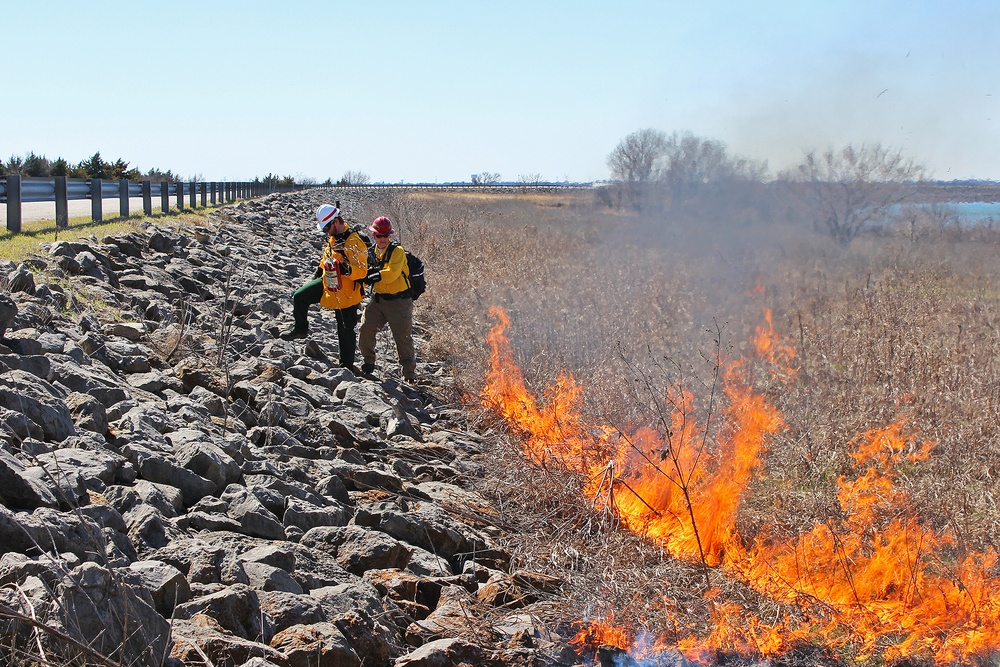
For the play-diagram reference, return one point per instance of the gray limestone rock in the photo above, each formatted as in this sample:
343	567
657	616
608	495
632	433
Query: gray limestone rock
306	516
8	311
167	585
21	280
235	608
92	605
253	518
244	488
39	401
357	549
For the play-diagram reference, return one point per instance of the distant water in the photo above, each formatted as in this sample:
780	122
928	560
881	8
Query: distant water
975	211
963	213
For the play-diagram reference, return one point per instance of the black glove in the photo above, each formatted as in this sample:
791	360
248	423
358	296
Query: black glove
373	276
318	273
345	268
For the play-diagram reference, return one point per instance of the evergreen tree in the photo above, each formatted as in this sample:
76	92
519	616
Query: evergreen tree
36	165
14	165
94	167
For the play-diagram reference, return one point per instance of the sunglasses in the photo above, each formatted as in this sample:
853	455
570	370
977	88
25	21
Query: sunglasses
381	236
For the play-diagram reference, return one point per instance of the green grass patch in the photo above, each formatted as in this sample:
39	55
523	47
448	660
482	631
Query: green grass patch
16	247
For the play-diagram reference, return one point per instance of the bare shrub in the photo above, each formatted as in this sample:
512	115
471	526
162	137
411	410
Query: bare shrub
901	324
856	186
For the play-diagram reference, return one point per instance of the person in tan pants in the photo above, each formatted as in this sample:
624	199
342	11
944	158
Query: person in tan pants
390	303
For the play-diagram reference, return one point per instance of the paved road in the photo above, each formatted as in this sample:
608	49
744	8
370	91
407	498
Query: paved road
46	210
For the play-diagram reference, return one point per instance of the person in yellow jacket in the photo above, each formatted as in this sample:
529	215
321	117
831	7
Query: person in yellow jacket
390	302
336	284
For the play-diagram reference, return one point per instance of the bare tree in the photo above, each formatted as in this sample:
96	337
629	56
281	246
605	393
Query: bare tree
529	179
486	178
635	158
856	186
353	177
691	163
702	178
635	163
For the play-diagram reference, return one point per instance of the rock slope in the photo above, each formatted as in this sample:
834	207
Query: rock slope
179	486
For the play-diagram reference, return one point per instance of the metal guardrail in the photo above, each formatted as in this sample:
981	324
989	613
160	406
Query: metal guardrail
15	190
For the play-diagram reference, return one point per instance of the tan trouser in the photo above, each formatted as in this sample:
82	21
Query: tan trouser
398	314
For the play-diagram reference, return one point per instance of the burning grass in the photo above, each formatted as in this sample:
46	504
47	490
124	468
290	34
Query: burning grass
833	486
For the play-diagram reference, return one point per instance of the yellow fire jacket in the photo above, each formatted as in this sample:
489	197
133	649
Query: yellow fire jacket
394	273
352	250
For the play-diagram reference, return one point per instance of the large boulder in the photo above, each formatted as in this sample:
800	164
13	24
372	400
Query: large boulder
39	402
357	549
97	609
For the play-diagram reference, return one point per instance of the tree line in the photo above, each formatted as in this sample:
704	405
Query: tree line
97	167
93	167
842	191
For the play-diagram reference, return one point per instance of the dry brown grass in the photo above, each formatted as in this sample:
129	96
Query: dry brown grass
902	324
900	327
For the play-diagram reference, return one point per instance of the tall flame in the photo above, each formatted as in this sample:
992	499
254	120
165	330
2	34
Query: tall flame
874	579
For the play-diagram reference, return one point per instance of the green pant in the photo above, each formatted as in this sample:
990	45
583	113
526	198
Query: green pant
305	296
347	318
398	314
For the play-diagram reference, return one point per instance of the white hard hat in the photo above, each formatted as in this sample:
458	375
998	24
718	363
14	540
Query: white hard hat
325	215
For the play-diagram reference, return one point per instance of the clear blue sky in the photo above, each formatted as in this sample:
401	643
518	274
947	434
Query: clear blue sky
436	91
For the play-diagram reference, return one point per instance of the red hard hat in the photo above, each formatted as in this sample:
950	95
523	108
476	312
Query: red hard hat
381	225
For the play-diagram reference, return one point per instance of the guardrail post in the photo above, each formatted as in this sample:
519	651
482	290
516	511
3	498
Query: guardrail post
123	197
164	197
14	203
96	205
191	194
147	198
214	186
62	202
204	192
180	196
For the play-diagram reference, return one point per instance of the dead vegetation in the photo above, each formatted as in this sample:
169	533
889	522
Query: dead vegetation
903	324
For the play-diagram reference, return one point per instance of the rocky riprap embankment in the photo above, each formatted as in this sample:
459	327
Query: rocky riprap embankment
179	486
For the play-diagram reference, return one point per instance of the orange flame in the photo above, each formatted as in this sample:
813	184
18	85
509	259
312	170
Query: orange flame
874	580
601	633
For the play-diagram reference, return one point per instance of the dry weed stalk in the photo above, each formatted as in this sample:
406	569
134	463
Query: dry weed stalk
905	321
